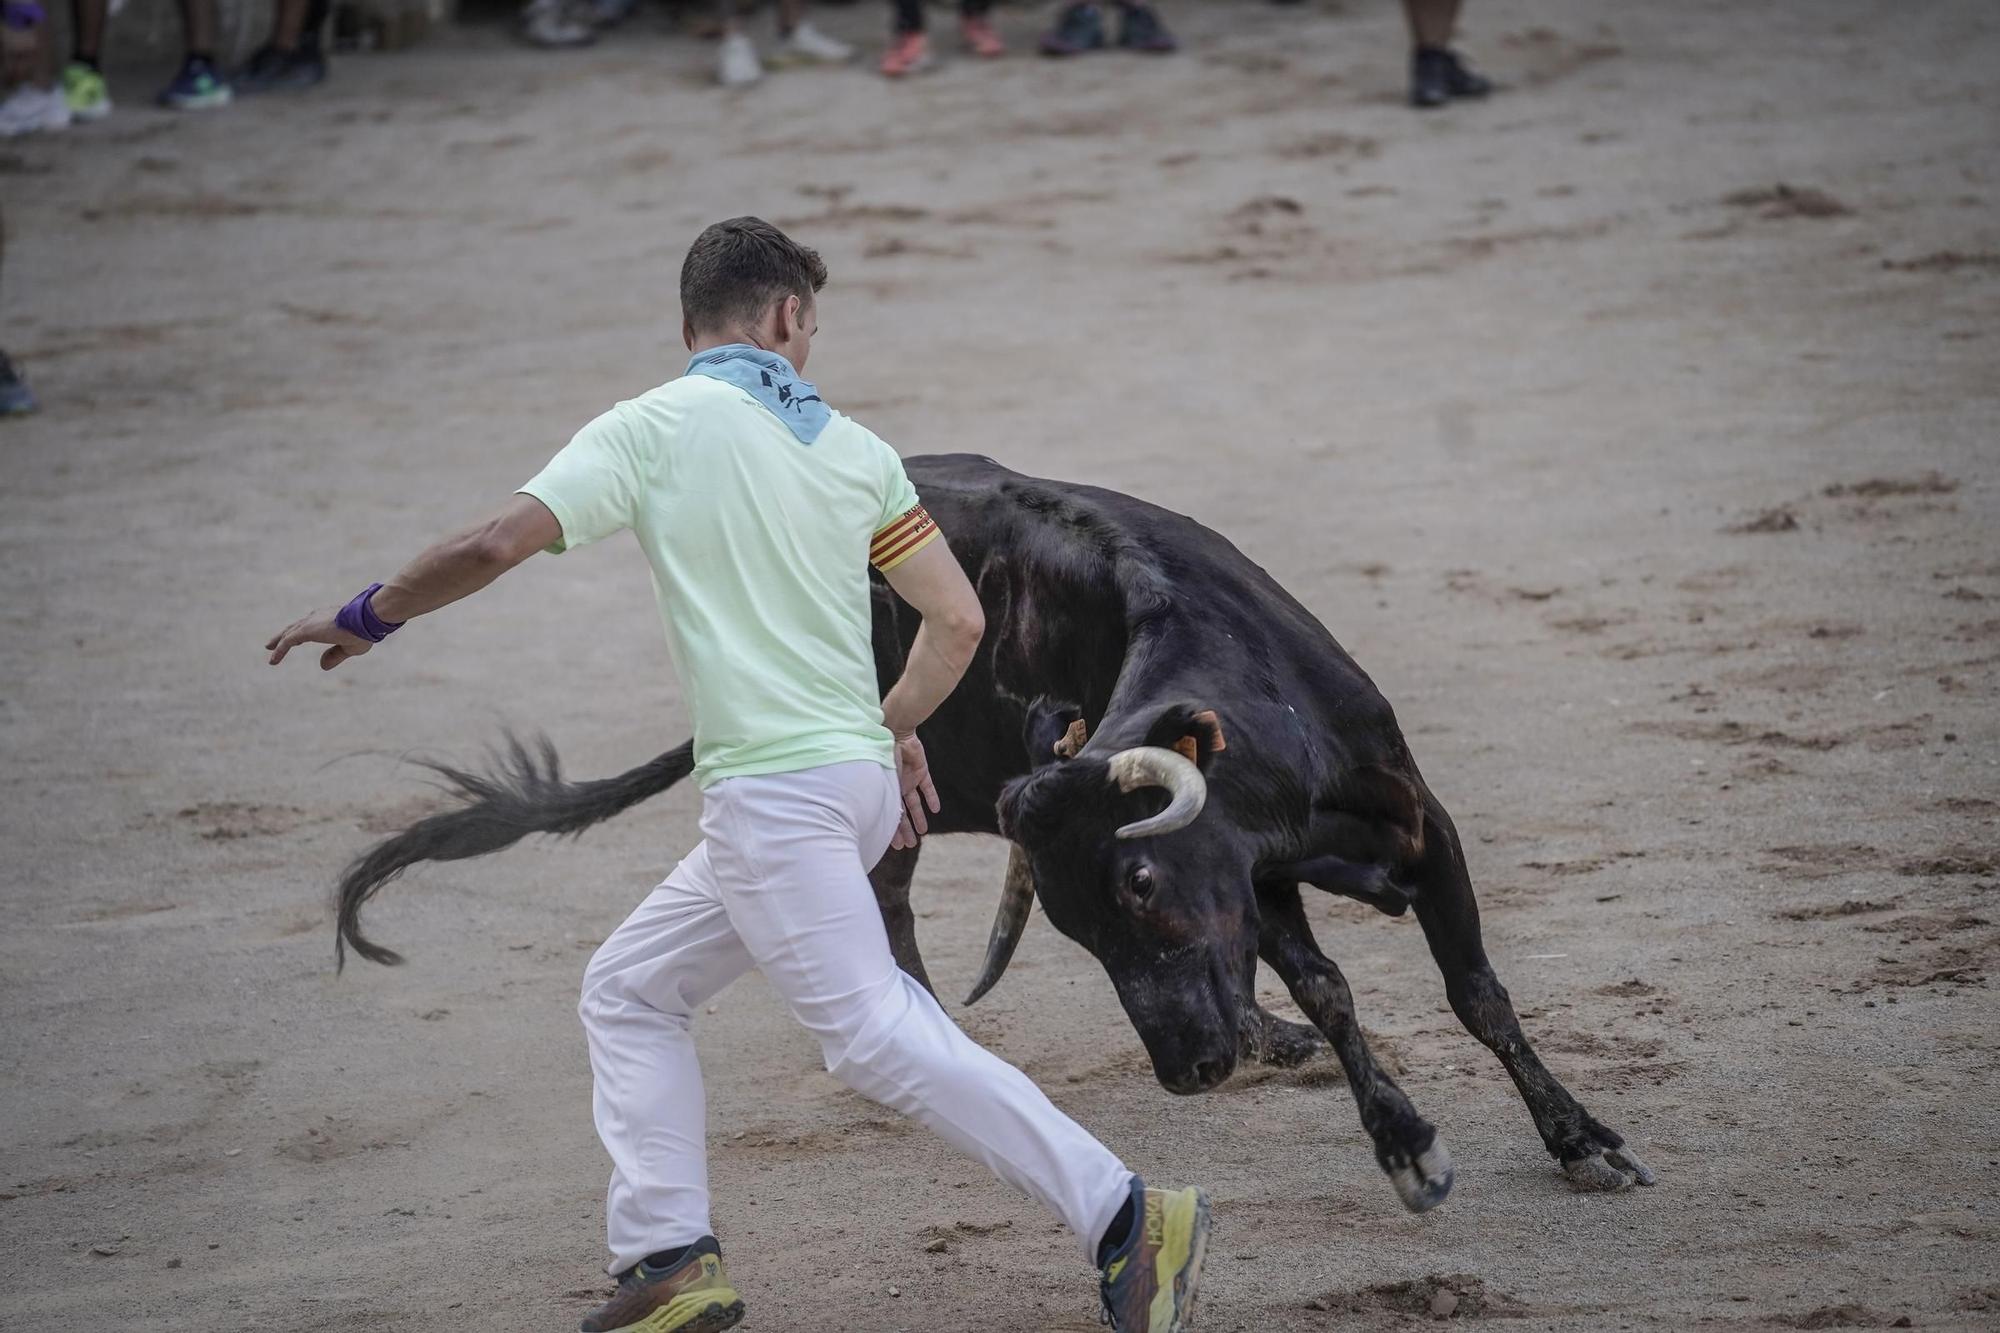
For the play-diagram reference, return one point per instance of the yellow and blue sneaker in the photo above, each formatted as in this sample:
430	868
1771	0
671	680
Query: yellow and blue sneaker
691	1294
1149	1279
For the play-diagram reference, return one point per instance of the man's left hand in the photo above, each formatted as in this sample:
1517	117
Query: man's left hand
319	627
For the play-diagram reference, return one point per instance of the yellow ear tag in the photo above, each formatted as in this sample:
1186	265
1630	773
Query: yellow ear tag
1072	740
1188	750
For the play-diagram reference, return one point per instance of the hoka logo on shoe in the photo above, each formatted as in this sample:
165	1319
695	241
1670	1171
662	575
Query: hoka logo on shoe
1156	1222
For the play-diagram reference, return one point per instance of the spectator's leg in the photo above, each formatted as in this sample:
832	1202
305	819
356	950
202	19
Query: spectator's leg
87	30
1432	22
198	24
909	46
910	15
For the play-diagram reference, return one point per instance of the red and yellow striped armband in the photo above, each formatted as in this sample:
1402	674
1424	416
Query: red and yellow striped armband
900	540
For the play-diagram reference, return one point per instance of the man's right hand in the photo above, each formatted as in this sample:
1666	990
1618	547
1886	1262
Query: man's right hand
913	775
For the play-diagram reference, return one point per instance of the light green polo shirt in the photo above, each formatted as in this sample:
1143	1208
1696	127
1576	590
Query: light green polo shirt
760	547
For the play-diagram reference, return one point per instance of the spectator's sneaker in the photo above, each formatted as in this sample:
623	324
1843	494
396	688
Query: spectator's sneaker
1149	1284
737	66
273	71
196	88
552	23
1079	28
908	53
808	45
981	37
89	97
1460	80
694	1297
15	398
32	110
1140	29
1429	84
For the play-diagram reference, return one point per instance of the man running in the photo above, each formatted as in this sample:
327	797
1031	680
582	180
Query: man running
760	510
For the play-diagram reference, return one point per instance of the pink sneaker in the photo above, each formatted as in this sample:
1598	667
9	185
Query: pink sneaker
908	53
981	37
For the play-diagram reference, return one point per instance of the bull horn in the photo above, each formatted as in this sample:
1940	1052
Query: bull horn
1152	766
1017	899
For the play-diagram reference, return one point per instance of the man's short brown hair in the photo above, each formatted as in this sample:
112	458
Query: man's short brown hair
736	270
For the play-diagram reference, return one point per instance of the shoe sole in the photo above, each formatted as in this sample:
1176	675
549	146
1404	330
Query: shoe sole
1197	1252
713	1318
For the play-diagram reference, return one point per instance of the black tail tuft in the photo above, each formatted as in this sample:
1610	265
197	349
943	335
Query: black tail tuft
522	793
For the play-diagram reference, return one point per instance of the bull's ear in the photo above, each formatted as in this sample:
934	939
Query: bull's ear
1193	730
1054	730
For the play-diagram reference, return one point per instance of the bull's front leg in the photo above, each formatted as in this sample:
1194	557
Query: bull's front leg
1270	1040
1406	1145
1593	1156
891	881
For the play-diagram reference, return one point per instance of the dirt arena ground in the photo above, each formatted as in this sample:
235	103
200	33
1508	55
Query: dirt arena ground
1636	430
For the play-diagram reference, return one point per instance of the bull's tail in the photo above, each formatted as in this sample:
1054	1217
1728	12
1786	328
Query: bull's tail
522	793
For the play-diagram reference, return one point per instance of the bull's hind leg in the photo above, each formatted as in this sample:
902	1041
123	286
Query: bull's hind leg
891	881
1592	1156
1406	1145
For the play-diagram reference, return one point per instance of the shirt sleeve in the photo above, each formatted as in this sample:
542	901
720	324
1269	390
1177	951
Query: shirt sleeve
593	485
904	528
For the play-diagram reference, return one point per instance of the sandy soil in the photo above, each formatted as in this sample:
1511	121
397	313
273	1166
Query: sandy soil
1636	430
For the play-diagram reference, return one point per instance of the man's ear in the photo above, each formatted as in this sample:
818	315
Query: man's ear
1194	731
687	333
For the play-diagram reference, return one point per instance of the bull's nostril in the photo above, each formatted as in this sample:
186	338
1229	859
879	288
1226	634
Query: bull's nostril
1208	1073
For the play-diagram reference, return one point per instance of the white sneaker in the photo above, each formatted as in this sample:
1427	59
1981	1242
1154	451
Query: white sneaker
553	23
29	109
738	66
808	43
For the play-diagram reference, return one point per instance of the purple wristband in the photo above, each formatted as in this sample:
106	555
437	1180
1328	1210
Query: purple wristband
359	619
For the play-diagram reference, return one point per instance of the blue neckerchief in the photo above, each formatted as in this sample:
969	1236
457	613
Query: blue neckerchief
770	379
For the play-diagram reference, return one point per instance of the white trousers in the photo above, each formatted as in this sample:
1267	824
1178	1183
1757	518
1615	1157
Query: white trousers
780	883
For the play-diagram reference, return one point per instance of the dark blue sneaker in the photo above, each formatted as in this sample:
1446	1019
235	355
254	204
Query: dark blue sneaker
15	398
1142	30
1079	28
196	88
270	70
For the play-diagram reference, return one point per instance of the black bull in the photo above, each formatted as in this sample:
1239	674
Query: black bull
1124	641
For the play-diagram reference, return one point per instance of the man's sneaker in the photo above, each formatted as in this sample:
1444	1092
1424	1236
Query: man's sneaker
737	65
552	23
15	398
1079	28
808	45
1140	29
270	70
31	110
1148	1286
85	90
196	88
1461	80
908	53
981	37
692	1297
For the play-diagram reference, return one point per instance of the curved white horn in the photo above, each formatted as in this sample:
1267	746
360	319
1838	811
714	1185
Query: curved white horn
1017	899
1152	766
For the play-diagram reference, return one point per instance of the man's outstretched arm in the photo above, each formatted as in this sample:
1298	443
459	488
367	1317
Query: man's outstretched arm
456	567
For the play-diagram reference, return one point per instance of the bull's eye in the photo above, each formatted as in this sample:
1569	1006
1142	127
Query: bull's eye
1139	880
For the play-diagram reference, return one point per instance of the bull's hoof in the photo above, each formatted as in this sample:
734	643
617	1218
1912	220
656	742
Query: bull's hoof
1270	1040
1423	1181
1609	1171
